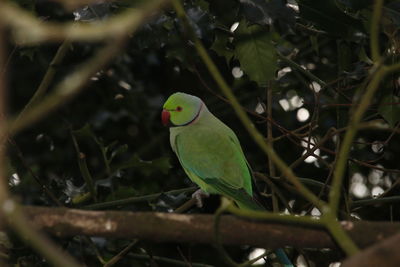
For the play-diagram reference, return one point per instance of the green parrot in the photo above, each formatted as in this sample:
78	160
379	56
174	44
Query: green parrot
210	153
208	150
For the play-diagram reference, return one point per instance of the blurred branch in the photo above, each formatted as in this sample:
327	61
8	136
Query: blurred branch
68	88
17	220
48	77
286	133
74	4
374	37
171	227
3	256
4	194
35	99
28	29
342	238
10	212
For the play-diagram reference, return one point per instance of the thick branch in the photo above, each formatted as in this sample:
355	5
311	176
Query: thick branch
74	4
197	228
385	253
28	29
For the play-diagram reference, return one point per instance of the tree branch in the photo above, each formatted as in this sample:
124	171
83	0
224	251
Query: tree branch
67	88
171	227
384	253
29	29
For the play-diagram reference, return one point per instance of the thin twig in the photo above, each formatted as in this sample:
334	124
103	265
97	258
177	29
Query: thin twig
186	206
166	260
86	175
121	254
32	173
29	29
68	88
130	200
48	78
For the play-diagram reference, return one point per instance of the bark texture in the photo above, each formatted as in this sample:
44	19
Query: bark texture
198	228
385	253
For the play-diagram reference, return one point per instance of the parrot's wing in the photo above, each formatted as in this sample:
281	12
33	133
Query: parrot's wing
240	196
209	154
214	159
214	185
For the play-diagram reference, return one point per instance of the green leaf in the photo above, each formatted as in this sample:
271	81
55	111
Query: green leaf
389	109
176	51
220	46
168	24
117	151
87	176
108	152
362	56
85	131
255	52
204	5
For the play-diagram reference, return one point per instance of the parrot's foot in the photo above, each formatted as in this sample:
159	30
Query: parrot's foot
199	195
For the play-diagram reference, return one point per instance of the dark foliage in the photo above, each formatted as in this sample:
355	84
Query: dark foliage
122	146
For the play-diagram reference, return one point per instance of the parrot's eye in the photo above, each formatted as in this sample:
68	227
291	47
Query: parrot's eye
179	108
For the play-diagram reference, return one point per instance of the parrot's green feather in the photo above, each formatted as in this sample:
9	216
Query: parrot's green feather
240	196
209	155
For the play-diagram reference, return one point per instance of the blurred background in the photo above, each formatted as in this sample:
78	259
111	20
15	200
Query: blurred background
312	56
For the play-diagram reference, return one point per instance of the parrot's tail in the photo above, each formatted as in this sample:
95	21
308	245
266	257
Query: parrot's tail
283	258
247	202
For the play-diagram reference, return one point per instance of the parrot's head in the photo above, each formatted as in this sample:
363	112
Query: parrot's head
181	109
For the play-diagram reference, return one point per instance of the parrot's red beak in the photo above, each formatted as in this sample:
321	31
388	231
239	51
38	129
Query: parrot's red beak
165	117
